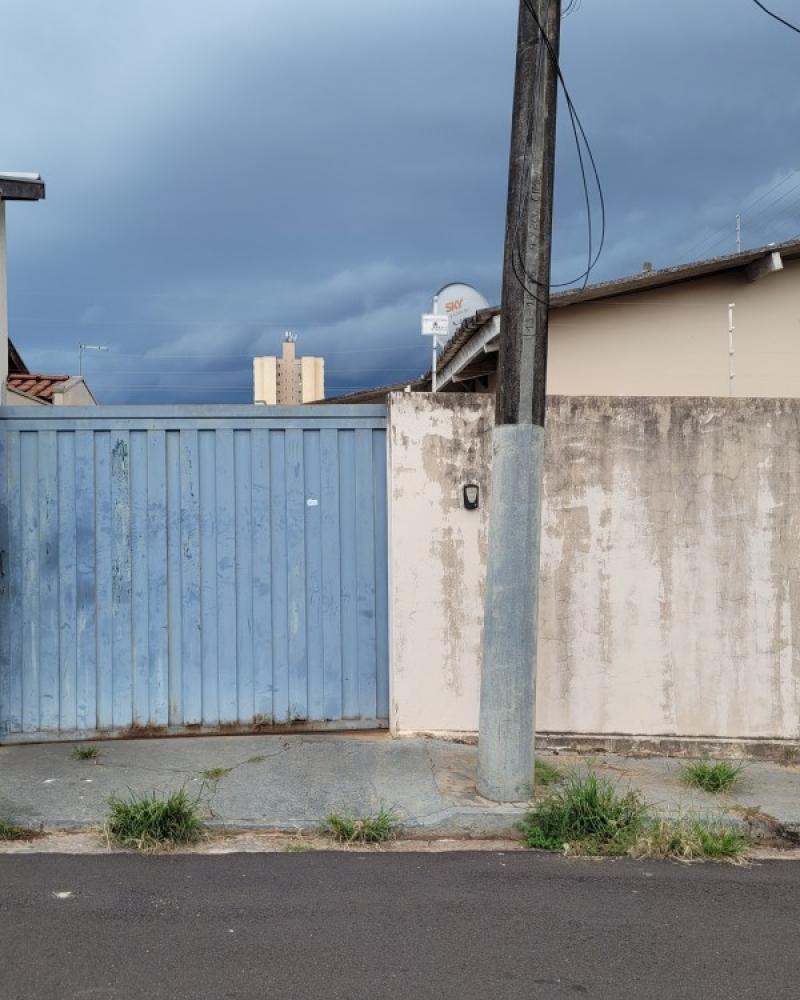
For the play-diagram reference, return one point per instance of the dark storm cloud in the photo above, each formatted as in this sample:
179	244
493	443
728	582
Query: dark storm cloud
218	173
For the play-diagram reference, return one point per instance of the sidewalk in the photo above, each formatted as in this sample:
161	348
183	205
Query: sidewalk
294	782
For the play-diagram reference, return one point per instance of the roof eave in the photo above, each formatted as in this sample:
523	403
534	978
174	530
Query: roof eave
21	189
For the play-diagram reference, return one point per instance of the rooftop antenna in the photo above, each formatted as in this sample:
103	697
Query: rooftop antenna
87	347
738	233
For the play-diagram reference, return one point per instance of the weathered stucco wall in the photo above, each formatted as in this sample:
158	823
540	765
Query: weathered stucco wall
670	599
437	557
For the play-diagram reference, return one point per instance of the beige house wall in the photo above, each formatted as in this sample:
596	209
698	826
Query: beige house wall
670	570
673	341
75	392
14	398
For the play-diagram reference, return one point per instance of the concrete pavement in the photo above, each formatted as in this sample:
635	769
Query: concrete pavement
341	926
293	782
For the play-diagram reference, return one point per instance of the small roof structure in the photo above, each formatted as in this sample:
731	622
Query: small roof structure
38	386
20	187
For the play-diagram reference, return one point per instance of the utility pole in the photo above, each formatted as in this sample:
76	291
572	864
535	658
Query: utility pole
508	679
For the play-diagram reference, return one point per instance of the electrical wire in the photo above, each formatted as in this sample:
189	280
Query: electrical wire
579	134
777	17
709	241
765	217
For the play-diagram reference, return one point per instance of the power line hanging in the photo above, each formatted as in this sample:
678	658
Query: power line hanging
777	17
581	142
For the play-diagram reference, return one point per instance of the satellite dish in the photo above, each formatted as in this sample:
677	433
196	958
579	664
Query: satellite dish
458	302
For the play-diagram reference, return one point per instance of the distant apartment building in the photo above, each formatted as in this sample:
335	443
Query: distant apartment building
288	380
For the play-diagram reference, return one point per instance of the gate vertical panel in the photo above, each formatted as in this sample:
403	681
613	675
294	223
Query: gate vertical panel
348	573
331	582
140	580
86	621
67	583
122	660
296	569
243	529
262	577
157	603
365	571
280	577
191	581
381	516
48	625
174	595
103	537
226	579
313	535
208	575
13	707
29	500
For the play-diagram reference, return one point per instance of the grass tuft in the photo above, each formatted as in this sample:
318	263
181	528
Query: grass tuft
366	830
545	774
148	821
84	752
215	773
297	848
691	840
590	816
712	775
587	815
10	831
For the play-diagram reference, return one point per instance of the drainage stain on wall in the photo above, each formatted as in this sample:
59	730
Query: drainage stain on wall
670	600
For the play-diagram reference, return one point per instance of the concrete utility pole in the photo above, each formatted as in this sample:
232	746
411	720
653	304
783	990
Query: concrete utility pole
508	680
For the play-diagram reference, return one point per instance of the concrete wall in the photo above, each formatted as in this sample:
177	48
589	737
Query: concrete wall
670	601
438	556
673	341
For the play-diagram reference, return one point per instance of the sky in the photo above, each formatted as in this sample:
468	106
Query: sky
220	172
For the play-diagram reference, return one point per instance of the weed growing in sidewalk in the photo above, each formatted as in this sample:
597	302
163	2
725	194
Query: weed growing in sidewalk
545	774
10	831
588	814
690	840
84	752
712	776
215	773
365	830
148	821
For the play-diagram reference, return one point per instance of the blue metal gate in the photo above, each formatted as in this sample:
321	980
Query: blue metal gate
197	569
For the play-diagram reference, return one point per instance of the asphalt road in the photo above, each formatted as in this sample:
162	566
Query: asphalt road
352	926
